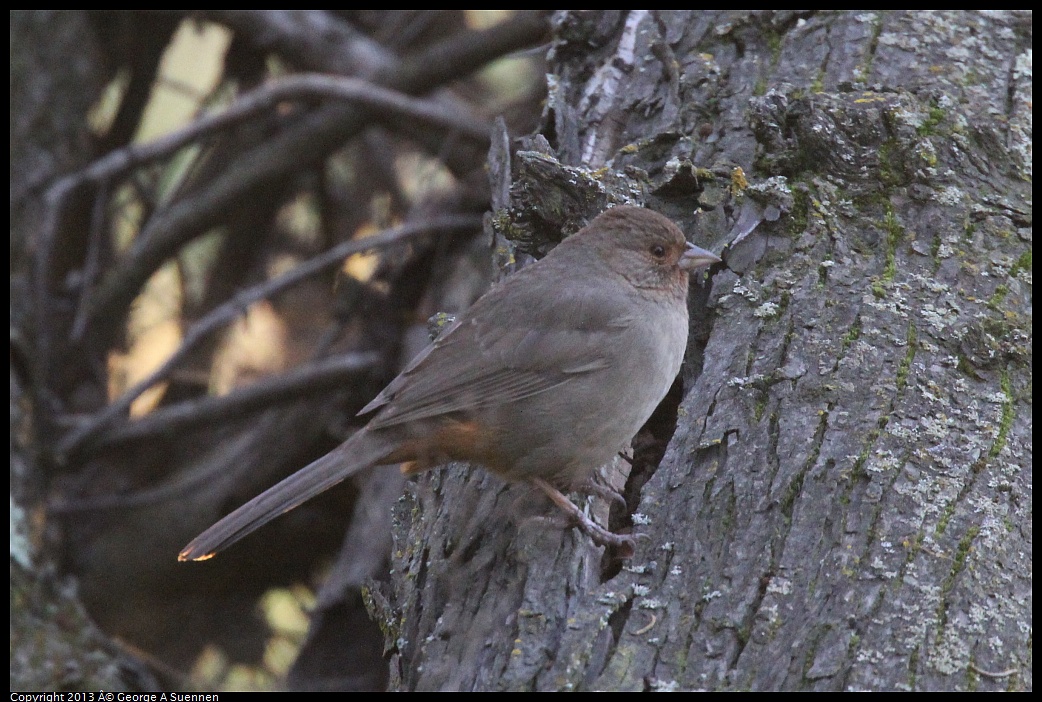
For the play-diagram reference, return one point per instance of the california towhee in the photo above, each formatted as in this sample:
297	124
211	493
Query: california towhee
544	379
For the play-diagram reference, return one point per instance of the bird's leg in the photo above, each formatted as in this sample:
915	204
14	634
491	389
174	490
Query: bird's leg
600	535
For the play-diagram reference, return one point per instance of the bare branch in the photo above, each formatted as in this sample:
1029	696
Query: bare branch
322	375
78	439
313	39
458	56
305	86
300	87
308	141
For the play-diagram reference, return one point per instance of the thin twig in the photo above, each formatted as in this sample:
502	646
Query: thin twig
327	374
993	674
228	311
299	145
292	88
305	86
315	40
92	262
650	625
114	164
461	54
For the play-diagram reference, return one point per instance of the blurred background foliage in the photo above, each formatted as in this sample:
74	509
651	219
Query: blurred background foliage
149	243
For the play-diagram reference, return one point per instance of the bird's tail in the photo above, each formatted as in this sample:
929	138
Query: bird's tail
361	451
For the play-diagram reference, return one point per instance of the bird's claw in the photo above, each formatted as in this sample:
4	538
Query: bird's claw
625	545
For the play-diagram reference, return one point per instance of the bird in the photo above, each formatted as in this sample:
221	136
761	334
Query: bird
543	380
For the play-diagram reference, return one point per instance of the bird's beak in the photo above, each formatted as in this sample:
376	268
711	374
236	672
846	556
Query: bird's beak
695	258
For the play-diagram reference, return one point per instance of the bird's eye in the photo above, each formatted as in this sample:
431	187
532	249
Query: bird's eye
658	251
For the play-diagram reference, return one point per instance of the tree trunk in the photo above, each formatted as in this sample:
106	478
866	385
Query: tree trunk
845	502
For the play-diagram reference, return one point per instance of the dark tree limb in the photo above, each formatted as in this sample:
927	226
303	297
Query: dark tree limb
303	143
78	439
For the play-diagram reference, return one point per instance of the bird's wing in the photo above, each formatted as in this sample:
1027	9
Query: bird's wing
512	344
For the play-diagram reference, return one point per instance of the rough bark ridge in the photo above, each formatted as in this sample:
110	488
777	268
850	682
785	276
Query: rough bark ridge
846	500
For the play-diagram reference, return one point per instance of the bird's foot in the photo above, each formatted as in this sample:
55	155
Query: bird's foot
623	544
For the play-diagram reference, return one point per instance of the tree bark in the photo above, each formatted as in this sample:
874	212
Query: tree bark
845	503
